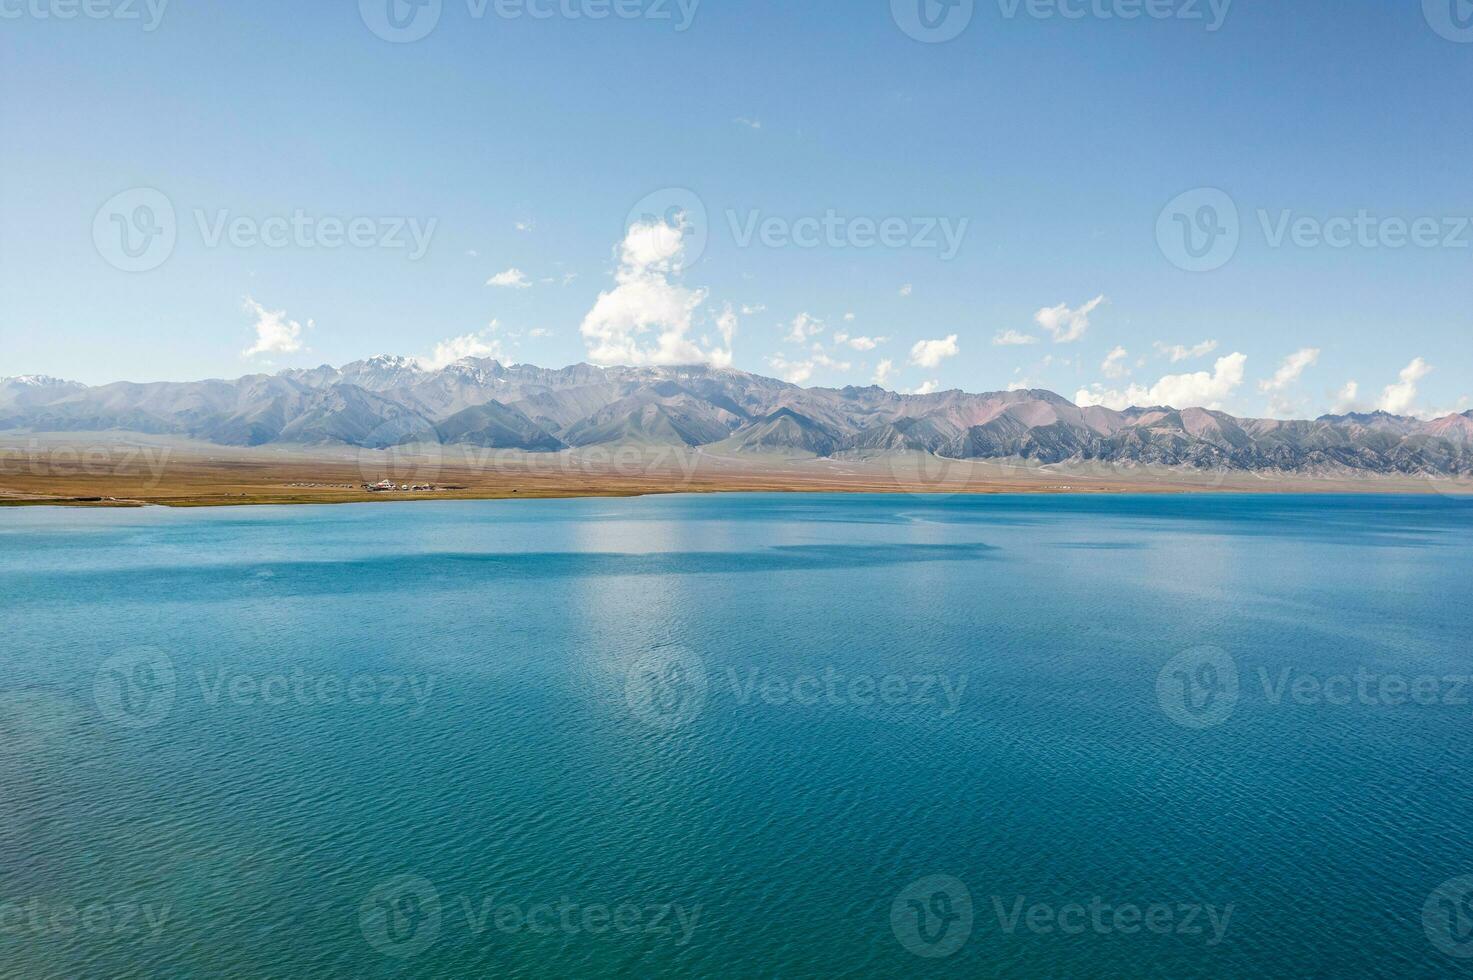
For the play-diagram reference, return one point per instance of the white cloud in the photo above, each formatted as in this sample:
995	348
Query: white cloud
1345	398
1198	390
275	334
645	301
726	325
925	388
907	289
753	309
883	371
860	343
1397	399
1281	404
1113	366
1177	352
447	352
803	328
512	278
793	372
797	372
539	332
1291	369
848	317
930	353
525	225
1066	325
749	123
1013	338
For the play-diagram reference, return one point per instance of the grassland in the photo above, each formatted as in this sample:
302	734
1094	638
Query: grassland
123	470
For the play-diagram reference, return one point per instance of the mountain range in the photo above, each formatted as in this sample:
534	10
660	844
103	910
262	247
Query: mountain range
390	401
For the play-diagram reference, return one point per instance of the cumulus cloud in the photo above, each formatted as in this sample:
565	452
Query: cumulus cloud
859	343
525	225
1176	352
803	328
1345	398
793	372
907	289
1114	366
799	371
749	123
647	317
1198	390
930	353
512	278
539	332
1291	369
447	352
1013	338
1066	325
1397	399
883	371
275	334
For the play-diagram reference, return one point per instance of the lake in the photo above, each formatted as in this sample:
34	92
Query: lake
749	735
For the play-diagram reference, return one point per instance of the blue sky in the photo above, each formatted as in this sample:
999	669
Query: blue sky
1051	146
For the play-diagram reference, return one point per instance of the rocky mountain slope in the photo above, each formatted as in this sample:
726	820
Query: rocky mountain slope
391	401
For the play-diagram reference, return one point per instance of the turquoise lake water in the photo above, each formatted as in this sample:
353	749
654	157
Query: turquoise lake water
745	736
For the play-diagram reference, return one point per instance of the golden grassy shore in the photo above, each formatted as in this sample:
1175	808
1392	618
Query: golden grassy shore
121	471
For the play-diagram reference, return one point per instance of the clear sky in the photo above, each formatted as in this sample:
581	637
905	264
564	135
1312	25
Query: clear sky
858	194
